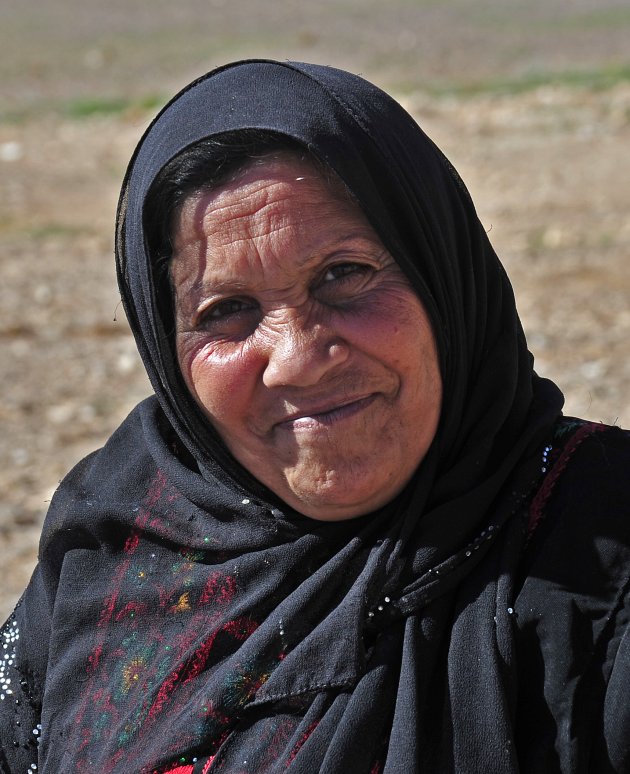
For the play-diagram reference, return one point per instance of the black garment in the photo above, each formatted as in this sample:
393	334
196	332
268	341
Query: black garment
176	615
143	645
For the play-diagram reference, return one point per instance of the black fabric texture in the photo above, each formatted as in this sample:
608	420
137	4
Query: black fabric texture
190	622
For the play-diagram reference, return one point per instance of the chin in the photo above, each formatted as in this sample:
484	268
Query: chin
341	503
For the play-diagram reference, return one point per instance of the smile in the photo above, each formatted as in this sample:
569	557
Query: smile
328	417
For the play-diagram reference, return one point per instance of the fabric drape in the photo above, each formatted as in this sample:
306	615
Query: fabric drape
194	622
497	412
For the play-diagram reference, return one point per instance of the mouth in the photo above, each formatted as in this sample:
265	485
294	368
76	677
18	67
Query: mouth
326	417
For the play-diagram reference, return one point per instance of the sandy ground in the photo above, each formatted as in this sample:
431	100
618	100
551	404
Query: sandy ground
547	168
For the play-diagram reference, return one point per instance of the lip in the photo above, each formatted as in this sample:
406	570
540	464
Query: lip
326	416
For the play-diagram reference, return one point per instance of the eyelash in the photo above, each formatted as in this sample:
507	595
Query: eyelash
225	308
355	268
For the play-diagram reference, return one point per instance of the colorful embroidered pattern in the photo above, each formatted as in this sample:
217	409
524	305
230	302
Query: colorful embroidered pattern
139	681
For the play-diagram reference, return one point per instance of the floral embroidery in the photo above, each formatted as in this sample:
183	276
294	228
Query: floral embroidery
138	679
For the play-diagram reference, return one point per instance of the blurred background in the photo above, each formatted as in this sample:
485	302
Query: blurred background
530	101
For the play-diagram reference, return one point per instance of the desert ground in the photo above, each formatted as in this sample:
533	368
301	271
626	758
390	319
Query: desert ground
530	101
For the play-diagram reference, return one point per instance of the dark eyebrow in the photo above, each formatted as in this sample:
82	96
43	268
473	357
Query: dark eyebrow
220	286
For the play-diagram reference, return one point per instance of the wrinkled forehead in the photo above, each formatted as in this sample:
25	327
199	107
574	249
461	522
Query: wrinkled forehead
281	190
282	167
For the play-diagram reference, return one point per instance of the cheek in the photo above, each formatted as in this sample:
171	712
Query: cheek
220	382
405	340
395	329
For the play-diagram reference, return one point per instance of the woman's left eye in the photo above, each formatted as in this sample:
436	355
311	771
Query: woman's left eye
343	271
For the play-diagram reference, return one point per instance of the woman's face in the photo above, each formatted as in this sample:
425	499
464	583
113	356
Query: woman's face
302	341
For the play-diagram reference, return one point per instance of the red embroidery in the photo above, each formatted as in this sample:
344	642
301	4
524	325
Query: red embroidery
240	629
536	510
130	656
300	743
94	659
222	594
107	613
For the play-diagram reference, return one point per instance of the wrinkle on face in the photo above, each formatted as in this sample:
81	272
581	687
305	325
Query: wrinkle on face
322	377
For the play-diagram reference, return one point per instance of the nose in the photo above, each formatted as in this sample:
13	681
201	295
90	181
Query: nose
300	354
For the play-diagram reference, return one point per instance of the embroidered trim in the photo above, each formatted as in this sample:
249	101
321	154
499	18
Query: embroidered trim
539	502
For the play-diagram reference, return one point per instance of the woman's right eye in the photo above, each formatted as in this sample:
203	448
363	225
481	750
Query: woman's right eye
230	316
228	307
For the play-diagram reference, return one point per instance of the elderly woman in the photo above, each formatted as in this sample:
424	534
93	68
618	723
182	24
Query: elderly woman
351	532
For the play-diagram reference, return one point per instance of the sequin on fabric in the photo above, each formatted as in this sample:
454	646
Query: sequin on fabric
568	436
15	690
10	635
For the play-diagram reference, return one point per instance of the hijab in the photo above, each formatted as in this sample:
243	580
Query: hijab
495	407
389	637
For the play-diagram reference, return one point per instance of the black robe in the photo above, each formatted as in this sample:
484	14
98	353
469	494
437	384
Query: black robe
183	619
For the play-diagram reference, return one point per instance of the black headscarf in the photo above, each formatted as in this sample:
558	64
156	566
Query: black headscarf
394	629
495	409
